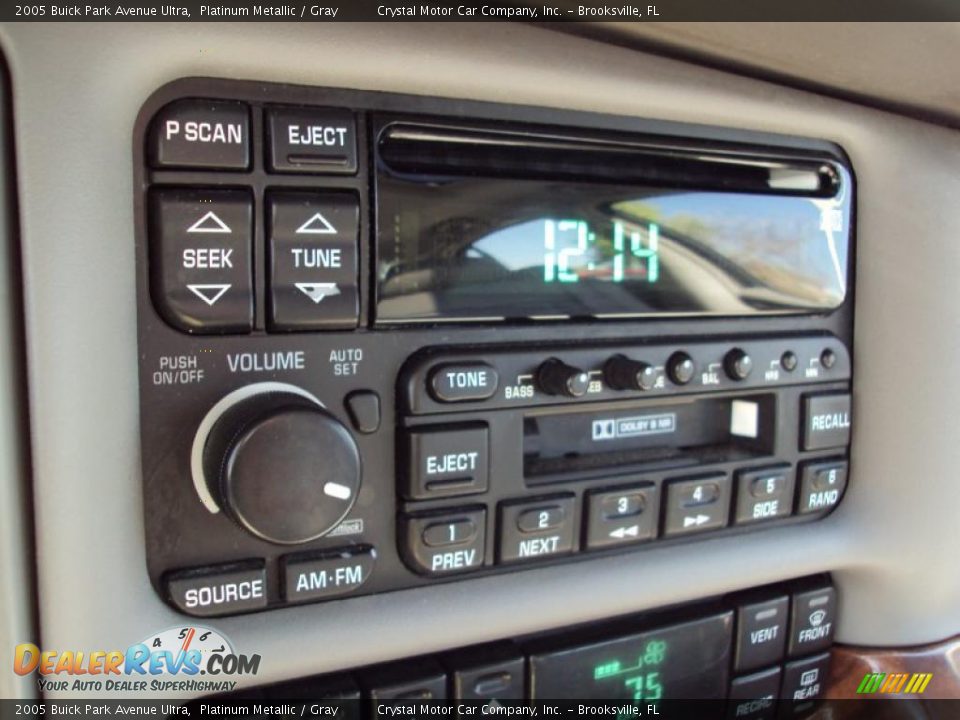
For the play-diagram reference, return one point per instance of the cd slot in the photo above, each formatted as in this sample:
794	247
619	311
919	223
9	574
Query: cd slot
463	151
698	432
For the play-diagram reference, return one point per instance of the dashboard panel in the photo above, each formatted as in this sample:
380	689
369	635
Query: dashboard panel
888	546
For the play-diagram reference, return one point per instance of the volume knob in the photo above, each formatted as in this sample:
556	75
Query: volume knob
282	467
555	377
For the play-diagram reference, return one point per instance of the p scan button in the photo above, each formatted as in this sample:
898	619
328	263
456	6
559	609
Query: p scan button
219	590
198	134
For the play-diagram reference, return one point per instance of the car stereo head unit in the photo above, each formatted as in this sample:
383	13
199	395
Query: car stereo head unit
388	341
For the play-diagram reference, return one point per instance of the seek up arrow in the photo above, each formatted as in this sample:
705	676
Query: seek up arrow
696	520
318	291
209	223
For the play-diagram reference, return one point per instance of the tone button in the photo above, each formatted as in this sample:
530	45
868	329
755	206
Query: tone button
460	383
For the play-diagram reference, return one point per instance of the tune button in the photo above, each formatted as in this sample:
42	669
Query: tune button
681	368
555	377
737	364
623	373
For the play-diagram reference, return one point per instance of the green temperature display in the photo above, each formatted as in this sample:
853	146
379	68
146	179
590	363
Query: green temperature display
640	678
572	250
689	660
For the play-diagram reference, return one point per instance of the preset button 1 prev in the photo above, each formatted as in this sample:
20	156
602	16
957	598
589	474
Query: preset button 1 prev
219	590
444	542
446	462
334	573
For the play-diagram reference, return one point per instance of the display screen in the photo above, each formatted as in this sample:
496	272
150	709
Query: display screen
681	662
479	248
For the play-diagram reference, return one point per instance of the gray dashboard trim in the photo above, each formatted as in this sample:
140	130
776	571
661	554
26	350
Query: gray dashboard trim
16	545
892	543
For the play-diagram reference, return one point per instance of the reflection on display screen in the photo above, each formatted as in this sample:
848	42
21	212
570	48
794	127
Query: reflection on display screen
477	248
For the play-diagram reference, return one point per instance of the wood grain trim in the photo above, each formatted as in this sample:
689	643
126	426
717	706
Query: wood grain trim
849	665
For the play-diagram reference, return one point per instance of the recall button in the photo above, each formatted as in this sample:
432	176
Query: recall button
201	134
312	140
333	573
446	463
460	383
220	590
826	421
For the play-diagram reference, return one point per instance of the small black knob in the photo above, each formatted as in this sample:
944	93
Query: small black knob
680	368
828	358
282	467
555	377
737	364
623	373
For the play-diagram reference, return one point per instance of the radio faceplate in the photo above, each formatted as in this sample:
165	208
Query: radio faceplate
285	467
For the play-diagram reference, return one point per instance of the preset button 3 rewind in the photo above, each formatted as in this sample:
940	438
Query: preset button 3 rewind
200	258
313	260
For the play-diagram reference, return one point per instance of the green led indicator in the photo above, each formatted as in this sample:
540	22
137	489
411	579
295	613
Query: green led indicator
602	671
641	681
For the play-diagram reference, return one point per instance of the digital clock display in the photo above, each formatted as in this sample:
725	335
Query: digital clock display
475	248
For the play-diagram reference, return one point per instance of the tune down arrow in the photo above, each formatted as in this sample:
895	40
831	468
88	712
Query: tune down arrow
622	532
318	291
